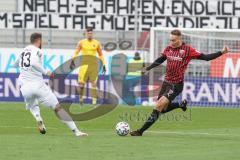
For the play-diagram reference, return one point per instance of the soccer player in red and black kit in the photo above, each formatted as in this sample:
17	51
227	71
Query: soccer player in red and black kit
178	55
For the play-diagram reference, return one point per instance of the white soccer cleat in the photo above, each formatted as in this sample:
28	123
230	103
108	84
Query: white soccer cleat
41	127
81	134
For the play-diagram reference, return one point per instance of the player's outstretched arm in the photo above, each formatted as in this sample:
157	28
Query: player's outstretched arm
156	63
208	57
225	50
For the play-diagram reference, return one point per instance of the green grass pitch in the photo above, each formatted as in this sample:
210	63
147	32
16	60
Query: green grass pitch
199	134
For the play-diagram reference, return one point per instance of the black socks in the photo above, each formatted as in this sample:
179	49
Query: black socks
151	120
155	114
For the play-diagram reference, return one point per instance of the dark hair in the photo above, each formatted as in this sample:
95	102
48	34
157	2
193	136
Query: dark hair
89	29
137	54
35	36
176	32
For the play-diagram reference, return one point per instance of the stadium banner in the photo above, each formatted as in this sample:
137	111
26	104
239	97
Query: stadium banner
199	91
52	58
10	92
111	15
207	91
227	66
116	62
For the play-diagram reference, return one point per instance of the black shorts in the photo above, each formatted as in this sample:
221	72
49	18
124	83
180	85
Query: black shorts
170	91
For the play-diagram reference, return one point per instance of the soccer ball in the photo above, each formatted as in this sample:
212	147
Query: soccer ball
122	128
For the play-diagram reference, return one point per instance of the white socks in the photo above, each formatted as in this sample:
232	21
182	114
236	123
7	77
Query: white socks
71	125
36	113
62	115
66	119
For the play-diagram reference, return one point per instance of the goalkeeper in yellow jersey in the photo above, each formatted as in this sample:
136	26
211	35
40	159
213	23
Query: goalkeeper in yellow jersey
91	52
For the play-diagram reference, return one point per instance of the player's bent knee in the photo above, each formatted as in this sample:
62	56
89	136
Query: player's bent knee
162	103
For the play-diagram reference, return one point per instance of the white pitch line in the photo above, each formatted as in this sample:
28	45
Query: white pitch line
194	133
157	132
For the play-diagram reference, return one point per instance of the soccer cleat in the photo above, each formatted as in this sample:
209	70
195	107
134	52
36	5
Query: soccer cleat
80	134
183	105
41	127
136	133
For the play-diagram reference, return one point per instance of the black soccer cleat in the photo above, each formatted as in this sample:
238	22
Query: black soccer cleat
41	127
183	105
43	131
136	133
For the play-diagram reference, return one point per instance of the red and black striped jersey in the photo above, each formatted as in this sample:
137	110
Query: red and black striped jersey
177	61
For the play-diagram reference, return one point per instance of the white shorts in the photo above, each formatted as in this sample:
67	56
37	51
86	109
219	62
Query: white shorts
35	93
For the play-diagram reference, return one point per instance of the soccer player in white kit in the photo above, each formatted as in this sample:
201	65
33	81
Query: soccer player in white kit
34	89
